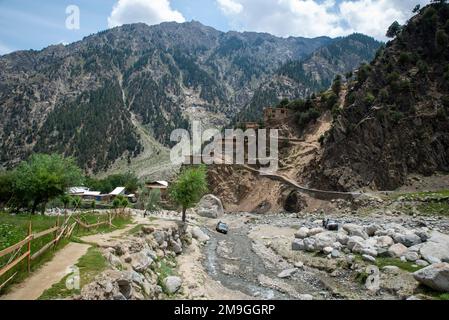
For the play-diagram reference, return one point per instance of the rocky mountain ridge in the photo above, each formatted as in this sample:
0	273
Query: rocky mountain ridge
81	99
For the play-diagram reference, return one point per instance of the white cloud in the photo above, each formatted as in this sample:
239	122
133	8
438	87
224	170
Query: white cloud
311	18
230	6
148	11
4	49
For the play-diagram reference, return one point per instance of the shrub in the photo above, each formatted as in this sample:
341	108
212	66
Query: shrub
384	95
441	39
404	58
369	99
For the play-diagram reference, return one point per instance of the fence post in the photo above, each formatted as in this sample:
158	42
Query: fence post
29	248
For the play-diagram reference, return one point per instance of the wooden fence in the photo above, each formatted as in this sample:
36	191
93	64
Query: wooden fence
60	231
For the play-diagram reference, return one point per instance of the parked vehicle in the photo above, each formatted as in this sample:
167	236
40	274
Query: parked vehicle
222	228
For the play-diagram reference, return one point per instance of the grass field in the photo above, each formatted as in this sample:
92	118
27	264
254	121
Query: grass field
14	228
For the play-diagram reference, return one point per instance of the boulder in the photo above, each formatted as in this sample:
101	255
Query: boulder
355	240
140	261
368	258
407	240
435	276
298	245
397	250
328	250
210	207
370	252
371	229
172	284
325	239
436	248
302	233
315	231
176	246
287	273
147	229
384	241
199	235
411	256
355	230
421	263
309	244
335	254
342	238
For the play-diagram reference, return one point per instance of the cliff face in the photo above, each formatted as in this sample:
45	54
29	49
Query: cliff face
299	79
395	120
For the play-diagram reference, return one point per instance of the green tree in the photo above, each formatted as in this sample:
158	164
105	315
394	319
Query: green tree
6	186
66	200
394	30
44	177
188	189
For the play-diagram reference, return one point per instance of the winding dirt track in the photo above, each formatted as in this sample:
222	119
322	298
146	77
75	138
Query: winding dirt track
50	273
54	270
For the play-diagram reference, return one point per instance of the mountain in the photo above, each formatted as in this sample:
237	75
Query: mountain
300	78
94	99
395	121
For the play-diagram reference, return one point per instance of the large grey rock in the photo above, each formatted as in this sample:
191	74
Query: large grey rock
371	229
140	261
309	244
315	231
199	235
436	248
176	246
210	207
355	230
325	239
411	256
172	284
397	250
435	276
355	240
384	241
342	238
287	273
302	233
407	240
298	245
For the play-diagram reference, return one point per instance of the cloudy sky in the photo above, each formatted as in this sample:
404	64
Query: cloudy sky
30	24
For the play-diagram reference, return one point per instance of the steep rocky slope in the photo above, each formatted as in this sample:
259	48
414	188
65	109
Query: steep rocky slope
395	121
300	78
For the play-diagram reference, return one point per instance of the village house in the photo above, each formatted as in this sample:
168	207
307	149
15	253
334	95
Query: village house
162	186
276	115
84	193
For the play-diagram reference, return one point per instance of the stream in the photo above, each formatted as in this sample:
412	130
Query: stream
236	262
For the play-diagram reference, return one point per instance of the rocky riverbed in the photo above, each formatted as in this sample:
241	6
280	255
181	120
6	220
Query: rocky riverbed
380	255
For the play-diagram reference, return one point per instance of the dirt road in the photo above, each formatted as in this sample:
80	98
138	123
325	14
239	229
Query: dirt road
50	273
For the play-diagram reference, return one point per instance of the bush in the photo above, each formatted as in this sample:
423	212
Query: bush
423	67
331	101
306	117
404	58
384	96
369	99
363	73
396	116
441	40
